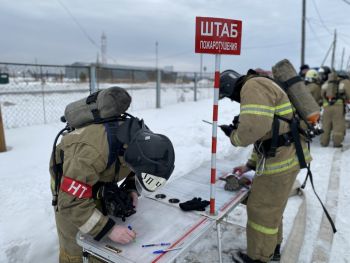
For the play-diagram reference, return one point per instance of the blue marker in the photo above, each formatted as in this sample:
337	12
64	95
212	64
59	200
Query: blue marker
160	244
165	250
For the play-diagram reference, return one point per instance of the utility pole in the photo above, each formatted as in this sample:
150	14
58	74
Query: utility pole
201	67
104	48
158	80
325	58
334	46
303	18
342	59
156	55
347	64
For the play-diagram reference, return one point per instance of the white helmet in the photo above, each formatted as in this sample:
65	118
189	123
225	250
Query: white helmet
312	75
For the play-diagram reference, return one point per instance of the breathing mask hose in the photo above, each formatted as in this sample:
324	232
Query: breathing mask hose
55	166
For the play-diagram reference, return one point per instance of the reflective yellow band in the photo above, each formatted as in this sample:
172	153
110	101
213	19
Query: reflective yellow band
263	110
284	109
254	157
263	229
52	183
256	109
338	102
236	140
261	113
258	106
278	167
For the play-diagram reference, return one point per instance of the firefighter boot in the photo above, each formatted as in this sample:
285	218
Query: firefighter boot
276	254
240	257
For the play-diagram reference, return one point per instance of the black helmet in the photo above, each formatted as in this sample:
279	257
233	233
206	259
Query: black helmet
151	156
228	80
324	72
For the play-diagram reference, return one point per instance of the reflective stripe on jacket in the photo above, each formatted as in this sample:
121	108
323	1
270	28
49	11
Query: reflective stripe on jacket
261	99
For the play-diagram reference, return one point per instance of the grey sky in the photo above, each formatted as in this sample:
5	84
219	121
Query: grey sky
43	31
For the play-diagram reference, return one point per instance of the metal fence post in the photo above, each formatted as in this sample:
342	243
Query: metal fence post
158	89
195	86
43	82
92	79
2	135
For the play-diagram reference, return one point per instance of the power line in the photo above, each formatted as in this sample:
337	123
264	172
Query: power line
85	33
346	1
320	18
82	29
313	32
282	44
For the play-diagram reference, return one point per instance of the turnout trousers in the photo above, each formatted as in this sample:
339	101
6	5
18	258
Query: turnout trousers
333	121
265	206
70	251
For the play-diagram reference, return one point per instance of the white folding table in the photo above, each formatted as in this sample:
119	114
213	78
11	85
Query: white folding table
157	220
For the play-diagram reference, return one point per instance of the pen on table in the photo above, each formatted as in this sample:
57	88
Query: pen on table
165	250
159	244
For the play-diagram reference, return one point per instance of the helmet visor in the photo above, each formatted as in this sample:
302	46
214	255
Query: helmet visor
148	182
151	156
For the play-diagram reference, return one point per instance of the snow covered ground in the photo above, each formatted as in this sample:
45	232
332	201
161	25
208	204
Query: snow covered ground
27	227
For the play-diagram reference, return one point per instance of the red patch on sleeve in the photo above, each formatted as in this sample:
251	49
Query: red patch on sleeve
76	188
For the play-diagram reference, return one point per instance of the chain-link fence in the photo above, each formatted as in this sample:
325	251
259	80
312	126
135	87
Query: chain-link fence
38	94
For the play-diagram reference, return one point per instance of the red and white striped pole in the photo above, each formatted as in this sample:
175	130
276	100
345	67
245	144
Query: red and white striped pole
214	133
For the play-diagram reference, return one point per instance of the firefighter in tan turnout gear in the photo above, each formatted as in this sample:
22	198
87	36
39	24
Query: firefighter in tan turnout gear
335	93
262	103
312	82
89	162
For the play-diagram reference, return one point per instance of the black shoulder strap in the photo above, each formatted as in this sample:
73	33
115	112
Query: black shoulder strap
292	81
295	127
92	98
274	139
115	146
309	175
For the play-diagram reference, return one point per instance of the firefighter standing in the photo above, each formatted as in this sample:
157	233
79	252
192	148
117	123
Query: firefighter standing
92	160
262	100
335	93
312	82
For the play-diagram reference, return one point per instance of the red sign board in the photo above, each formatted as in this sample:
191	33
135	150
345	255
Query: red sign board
218	36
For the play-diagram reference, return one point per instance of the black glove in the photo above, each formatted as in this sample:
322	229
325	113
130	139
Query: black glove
116	201
235	122
195	204
227	129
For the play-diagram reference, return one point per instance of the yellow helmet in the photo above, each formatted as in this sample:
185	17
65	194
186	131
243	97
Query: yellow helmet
312	75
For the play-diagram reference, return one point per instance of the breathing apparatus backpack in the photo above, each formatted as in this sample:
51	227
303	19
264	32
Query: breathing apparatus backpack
104	106
307	111
333	92
150	156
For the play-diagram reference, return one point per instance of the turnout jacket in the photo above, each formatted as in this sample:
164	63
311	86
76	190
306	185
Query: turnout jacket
86	153
315	90
261	99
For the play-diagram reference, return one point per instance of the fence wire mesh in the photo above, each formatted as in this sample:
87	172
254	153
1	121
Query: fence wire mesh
38	94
